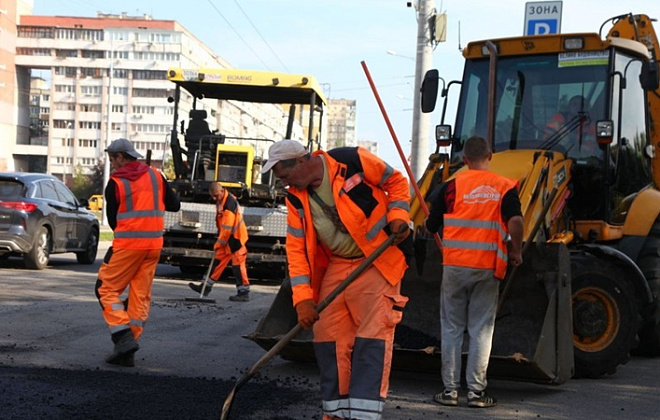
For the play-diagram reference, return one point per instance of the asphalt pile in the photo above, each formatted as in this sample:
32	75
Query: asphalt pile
41	393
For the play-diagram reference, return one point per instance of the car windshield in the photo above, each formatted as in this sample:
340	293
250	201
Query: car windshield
547	101
10	190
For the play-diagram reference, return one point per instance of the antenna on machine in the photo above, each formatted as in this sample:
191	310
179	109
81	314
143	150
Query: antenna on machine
459	36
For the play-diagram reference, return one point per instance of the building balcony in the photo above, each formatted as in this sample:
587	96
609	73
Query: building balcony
31	149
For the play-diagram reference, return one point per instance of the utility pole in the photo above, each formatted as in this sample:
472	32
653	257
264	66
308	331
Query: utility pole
106	161
419	147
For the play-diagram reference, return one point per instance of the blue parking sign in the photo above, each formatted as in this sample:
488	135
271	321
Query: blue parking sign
542	18
542	27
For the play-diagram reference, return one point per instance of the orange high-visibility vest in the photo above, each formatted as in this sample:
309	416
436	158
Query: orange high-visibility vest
232	230
474	233
368	194
140	214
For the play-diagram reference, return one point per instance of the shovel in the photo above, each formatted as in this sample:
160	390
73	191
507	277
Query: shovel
201	298
226	407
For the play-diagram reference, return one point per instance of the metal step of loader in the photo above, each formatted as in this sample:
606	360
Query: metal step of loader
533	332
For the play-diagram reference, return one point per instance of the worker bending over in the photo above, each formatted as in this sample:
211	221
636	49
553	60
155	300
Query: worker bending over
230	246
342	204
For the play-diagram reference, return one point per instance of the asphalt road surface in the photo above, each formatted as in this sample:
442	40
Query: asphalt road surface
53	342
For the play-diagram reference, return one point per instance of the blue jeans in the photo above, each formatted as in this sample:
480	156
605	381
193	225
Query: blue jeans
468	299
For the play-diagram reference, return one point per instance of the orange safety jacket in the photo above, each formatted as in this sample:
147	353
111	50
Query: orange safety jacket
232	230
558	120
368	194
474	233
140	213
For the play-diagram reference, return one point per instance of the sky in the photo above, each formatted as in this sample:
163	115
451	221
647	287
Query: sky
329	38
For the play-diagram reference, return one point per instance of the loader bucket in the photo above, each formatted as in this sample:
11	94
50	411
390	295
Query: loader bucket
281	317
533	332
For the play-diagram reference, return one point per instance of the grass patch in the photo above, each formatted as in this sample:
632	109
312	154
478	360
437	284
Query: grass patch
106	236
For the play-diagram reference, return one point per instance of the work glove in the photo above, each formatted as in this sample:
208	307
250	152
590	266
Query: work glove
307	314
396	226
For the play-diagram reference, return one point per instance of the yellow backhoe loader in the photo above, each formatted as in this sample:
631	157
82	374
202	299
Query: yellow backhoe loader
586	295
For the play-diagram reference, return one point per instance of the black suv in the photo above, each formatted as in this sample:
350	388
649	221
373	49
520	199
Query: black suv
40	216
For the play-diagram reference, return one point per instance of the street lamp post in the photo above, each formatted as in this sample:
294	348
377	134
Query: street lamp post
106	163
396	54
421	121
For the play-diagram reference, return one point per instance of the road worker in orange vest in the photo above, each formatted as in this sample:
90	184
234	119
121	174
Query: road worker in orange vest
137	197
230	246
477	210
342	204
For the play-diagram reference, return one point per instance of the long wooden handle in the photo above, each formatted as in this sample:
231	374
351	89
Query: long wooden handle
411	177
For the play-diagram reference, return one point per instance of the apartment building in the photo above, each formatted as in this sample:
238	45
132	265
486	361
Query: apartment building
341	123
108	80
13	114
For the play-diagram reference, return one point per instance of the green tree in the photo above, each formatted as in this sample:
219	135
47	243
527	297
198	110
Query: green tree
80	185
97	178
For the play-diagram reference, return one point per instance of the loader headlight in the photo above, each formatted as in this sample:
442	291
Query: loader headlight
604	131
573	43
443	135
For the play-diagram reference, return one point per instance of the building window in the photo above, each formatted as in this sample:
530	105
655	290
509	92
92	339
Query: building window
35	32
90	125
87	143
92	72
33	51
62	124
66	53
90	90
118	108
118	54
151	93
149	75
120	90
120	73
91	54
80	34
90	108
141	109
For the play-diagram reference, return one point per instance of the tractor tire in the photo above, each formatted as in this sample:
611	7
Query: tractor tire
649	262
37	258
605	316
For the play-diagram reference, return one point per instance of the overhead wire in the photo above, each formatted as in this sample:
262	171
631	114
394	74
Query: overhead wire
261	36
238	34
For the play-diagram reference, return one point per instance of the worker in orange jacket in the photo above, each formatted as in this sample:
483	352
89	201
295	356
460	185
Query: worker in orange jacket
574	130
136	198
342	204
477	210
230	246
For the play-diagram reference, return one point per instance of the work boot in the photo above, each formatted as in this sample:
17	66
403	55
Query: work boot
125	345
198	288
127	360
240	297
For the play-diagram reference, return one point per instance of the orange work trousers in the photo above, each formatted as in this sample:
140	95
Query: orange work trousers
238	258
127	268
353	341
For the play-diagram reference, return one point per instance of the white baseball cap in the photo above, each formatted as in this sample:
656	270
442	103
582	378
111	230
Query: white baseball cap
283	150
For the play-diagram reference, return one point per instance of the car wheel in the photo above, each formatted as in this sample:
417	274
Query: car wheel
37	258
88	256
